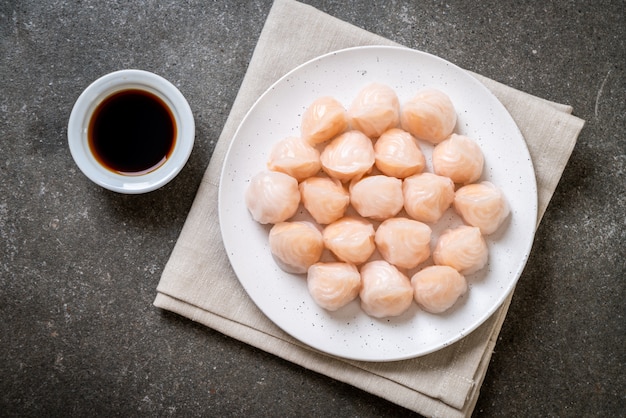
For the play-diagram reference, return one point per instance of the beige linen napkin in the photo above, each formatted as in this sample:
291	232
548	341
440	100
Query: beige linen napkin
198	281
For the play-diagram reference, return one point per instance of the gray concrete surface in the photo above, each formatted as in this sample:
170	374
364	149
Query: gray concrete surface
79	265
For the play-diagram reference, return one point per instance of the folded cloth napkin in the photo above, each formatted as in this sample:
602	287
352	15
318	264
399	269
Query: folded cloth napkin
198	281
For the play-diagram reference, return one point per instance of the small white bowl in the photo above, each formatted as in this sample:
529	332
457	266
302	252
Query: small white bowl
104	87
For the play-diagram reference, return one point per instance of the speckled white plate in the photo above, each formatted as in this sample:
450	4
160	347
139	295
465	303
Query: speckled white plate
349	332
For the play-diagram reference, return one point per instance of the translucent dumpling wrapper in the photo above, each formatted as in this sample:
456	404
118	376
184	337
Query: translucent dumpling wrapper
462	248
333	285
398	154
349	155
324	198
272	197
437	288
427	196
296	246
295	157
403	242
374	110
350	239
385	291
377	197
429	115
324	119
460	158
482	205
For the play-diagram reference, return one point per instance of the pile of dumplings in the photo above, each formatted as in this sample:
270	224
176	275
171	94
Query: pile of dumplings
360	173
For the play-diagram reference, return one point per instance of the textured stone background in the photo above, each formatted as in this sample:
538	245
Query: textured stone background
79	265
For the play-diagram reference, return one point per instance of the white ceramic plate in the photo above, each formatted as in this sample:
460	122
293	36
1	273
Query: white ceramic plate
350	333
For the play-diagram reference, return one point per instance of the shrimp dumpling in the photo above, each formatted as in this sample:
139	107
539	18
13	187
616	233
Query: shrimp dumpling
323	119
374	110
296	246
429	115
403	242
460	158
377	197
385	291
349	155
482	205
437	288
462	248
272	197
333	285
295	157
427	196
325	198
350	239
397	154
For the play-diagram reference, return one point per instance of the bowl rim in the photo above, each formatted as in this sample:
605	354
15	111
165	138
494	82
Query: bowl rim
104	87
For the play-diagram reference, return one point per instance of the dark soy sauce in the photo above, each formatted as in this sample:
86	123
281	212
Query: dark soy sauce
132	132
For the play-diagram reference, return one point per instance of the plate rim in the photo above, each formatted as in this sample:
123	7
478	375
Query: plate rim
484	317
